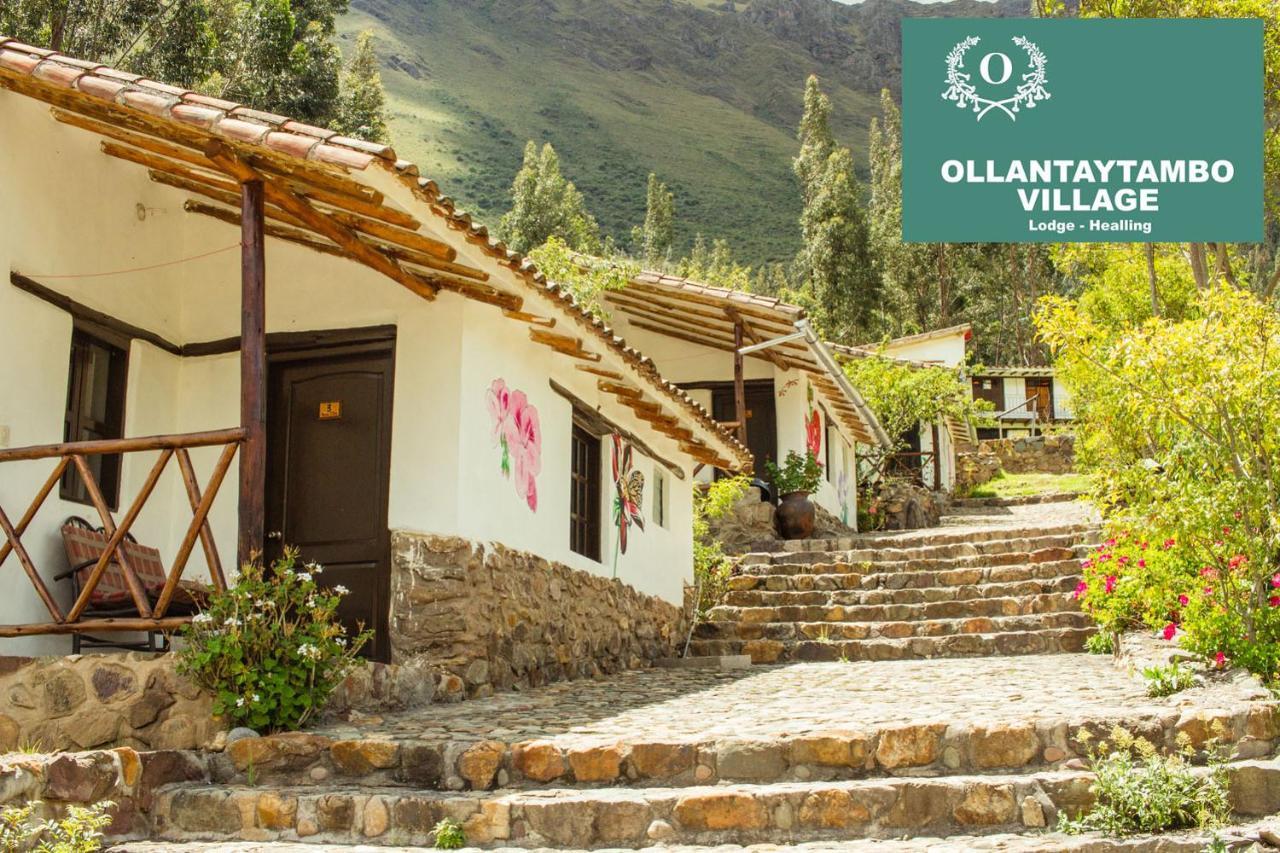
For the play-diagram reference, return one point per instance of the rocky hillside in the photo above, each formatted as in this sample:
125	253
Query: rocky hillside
704	92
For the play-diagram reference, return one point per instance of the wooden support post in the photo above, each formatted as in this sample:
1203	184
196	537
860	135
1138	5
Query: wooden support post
253	372
937	459
739	384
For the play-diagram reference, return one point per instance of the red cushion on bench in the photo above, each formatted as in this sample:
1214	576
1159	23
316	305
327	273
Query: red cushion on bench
84	545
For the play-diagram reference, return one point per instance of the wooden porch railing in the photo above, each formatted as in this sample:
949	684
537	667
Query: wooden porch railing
75	454
911	465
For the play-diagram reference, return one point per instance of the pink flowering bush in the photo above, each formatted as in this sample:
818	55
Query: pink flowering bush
1178	422
1204	597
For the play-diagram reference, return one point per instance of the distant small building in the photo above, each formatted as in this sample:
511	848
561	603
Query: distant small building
930	453
1025	399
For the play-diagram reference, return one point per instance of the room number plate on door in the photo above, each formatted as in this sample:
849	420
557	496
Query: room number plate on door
331	411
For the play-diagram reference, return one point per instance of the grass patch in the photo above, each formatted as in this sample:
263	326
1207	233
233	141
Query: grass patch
1027	485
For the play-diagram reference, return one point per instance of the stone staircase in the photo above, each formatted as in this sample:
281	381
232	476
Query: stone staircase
999	591
897	719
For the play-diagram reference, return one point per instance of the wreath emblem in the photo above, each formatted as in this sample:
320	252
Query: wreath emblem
1030	91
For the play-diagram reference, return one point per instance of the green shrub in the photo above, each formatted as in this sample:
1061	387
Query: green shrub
1178	422
711	566
1101	643
449	835
1138	790
1168	679
796	474
79	831
271	648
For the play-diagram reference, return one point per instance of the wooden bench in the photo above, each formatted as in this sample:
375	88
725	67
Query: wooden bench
84	544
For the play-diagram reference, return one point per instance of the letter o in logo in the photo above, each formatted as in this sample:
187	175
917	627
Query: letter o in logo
1006	67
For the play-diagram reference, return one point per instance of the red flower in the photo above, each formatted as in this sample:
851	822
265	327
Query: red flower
1142	564
1208	572
1275	580
1111	543
1111	584
1226	531
1236	561
1183	600
1208	591
1169	543
1170	630
1081	589
1220	660
1123	559
1274	601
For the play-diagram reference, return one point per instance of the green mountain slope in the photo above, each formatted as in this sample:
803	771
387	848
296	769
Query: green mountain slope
703	92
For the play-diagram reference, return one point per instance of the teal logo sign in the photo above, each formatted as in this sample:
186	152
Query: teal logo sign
1024	130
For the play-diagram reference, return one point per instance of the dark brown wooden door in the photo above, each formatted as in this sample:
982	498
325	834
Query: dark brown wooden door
328	467
762	419
1041	390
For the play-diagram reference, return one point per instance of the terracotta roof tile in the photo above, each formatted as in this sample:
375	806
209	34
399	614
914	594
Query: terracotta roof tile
244	131
294	144
175	91
23	47
377	149
254	127
99	87
22	63
194	114
57	74
258	115
341	156
209	101
148	102
117	74
307	129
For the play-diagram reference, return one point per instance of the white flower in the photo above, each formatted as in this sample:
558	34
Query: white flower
201	619
342	641
314	567
240	702
309	651
257	698
303	576
231	622
341	590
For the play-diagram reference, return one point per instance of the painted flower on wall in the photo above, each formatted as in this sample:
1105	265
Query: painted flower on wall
842	495
629	495
813	429
515	428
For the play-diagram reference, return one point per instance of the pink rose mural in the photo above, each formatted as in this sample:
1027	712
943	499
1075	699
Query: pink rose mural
515	428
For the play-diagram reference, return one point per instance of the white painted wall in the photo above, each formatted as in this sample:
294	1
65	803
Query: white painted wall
79	211
948	351
681	361
1061	400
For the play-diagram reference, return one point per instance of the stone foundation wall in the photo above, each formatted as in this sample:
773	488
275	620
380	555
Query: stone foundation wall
746	525
496	618
975	467
83	701
906	506
1045	454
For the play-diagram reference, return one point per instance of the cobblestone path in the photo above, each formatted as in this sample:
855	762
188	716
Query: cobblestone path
919	691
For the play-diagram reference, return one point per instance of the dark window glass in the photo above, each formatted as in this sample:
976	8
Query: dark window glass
95	411
584	494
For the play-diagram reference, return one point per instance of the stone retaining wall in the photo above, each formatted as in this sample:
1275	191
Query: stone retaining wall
1044	454
497	618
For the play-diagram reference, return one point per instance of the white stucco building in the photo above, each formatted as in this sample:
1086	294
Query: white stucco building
416	376
794	396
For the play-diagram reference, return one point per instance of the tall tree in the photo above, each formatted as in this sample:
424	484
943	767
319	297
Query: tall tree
362	107
545	204
275	55
659	221
840	283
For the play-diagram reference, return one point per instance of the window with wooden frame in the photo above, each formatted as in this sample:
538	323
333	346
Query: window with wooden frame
659	497
584	493
95	409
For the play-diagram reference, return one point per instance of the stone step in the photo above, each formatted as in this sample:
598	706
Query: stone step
831	630
1024	605
836	564
932	538
923	579
870	593
875	748
645	816
1027	642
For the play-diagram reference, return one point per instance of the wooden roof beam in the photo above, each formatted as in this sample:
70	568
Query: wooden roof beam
769	354
225	157
563	344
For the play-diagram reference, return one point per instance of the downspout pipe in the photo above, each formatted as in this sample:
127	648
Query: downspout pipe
824	357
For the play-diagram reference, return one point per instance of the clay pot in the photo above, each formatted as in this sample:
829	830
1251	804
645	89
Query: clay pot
796	516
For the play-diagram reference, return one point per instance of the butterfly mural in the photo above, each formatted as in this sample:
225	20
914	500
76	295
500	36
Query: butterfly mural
629	495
